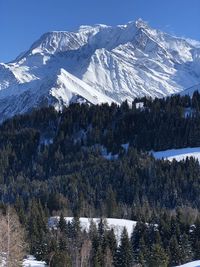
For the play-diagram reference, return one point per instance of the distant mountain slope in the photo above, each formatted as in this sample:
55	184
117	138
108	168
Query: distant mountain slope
189	91
98	64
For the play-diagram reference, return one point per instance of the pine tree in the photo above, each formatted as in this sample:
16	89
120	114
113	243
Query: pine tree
138	243
175	252
186	249
112	243
75	227
158	257
37	230
124	251
61	259
62	224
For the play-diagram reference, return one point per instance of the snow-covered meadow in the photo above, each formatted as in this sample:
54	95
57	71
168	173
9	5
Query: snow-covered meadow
178	154
116	224
191	264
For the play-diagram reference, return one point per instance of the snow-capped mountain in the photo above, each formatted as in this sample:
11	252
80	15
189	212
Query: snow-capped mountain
98	64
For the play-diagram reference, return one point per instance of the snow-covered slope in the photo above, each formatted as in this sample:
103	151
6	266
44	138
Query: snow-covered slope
190	91
178	154
191	264
116	224
98	64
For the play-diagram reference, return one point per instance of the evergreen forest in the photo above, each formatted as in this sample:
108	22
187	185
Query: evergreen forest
96	161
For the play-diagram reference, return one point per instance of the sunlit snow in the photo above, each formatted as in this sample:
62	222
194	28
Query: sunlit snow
178	154
98	64
32	262
116	224
191	264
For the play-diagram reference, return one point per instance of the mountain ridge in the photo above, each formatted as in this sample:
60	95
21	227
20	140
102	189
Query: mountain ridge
117	63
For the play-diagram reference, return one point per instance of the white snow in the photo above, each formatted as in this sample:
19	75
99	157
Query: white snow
178	154
139	105
99	64
191	264
68	86
191	90
116	224
108	155
125	147
32	262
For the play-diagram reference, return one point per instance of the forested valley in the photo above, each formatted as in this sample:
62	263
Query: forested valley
96	161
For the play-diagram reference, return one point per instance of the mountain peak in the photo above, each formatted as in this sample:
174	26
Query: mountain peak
89	27
61	41
98	64
140	23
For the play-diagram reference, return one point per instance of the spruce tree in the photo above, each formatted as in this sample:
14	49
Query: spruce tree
158	257
124	252
175	252
62	224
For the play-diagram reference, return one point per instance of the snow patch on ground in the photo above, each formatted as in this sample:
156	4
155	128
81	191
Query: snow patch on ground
116	224
191	264
125	147
108	155
178	154
32	262
140	105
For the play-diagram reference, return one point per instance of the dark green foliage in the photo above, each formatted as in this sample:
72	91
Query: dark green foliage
61	259
124	251
57	157
158	257
62	224
175	252
37	229
52	163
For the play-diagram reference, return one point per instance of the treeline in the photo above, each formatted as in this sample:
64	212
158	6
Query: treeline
148	124
167	240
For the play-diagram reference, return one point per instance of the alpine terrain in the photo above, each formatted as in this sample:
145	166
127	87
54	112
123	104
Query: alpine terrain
98	64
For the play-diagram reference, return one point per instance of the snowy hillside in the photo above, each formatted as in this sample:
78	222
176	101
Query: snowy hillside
98	64
178	154
191	264
116	224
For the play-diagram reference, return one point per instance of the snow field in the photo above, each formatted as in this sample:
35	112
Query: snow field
178	154
116	224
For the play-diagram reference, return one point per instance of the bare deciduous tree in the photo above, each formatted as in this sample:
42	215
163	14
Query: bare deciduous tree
108	259
85	253
12	239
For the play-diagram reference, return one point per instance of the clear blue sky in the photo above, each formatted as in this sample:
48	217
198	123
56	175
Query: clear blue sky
23	21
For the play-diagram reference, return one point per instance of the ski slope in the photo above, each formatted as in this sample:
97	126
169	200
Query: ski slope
178	154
